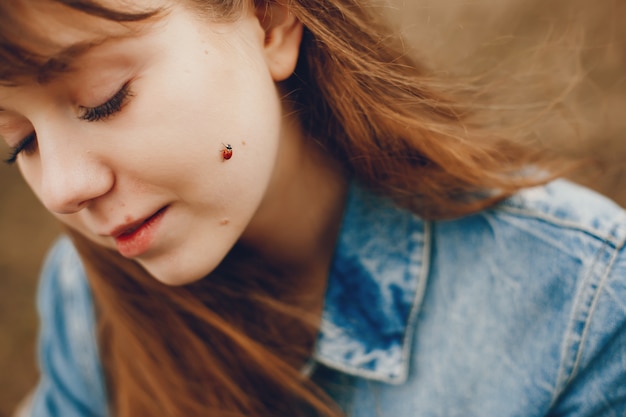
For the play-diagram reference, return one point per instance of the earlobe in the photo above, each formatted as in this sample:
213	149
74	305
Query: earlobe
283	34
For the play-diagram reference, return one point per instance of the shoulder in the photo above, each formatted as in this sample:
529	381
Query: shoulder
550	262
568	206
62	274
561	240
591	230
562	219
71	381
64	299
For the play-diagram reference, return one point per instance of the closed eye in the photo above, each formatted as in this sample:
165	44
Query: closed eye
109	108
28	145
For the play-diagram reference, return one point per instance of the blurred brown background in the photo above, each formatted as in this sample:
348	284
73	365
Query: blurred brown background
568	56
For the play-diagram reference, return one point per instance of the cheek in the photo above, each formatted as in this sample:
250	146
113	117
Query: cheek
32	174
181	128
219	99
74	222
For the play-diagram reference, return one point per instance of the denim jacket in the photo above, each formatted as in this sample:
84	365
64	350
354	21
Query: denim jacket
518	310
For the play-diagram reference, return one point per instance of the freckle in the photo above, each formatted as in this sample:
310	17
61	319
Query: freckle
127	219
243	142
225	221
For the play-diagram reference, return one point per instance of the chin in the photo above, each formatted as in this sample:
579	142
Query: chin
175	276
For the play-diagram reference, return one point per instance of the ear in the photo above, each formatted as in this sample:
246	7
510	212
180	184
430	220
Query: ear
283	34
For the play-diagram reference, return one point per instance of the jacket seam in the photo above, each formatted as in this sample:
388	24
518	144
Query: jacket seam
606	237
568	370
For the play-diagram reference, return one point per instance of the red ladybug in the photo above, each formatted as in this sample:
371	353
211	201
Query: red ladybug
227	152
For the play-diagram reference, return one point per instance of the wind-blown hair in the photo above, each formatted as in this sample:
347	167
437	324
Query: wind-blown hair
233	343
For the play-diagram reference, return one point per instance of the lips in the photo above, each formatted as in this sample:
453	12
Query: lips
128	229
136	238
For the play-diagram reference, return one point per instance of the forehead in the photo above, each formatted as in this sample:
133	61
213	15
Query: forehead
43	36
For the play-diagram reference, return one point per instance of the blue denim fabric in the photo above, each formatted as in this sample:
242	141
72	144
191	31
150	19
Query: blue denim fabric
71	383
519	310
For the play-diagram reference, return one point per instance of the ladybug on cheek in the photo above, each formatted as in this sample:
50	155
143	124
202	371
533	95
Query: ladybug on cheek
227	152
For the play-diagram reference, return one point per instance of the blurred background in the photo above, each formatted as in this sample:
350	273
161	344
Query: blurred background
562	58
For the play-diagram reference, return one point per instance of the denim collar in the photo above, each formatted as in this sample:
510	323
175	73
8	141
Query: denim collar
375	289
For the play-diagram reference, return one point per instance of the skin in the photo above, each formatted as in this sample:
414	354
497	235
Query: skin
194	85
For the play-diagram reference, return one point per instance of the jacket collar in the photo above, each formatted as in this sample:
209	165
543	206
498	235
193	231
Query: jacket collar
375	289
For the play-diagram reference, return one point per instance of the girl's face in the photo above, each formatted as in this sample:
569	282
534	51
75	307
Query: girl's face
129	146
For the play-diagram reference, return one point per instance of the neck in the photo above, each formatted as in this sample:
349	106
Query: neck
295	231
297	224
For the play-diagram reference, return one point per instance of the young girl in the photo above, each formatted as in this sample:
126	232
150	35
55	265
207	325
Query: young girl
252	192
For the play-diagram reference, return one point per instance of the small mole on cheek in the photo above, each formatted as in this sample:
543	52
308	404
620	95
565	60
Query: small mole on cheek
224	221
127	219
243	142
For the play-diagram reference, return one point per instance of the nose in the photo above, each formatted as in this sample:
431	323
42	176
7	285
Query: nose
72	179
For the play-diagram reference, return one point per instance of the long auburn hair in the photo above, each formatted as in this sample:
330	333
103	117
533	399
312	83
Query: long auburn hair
232	344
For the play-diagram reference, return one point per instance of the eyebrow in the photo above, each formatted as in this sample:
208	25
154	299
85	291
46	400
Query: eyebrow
79	49
60	63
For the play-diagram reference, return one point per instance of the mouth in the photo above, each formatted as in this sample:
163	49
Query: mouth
136	238
131	228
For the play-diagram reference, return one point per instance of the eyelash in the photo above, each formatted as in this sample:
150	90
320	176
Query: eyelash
109	108
90	114
26	145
